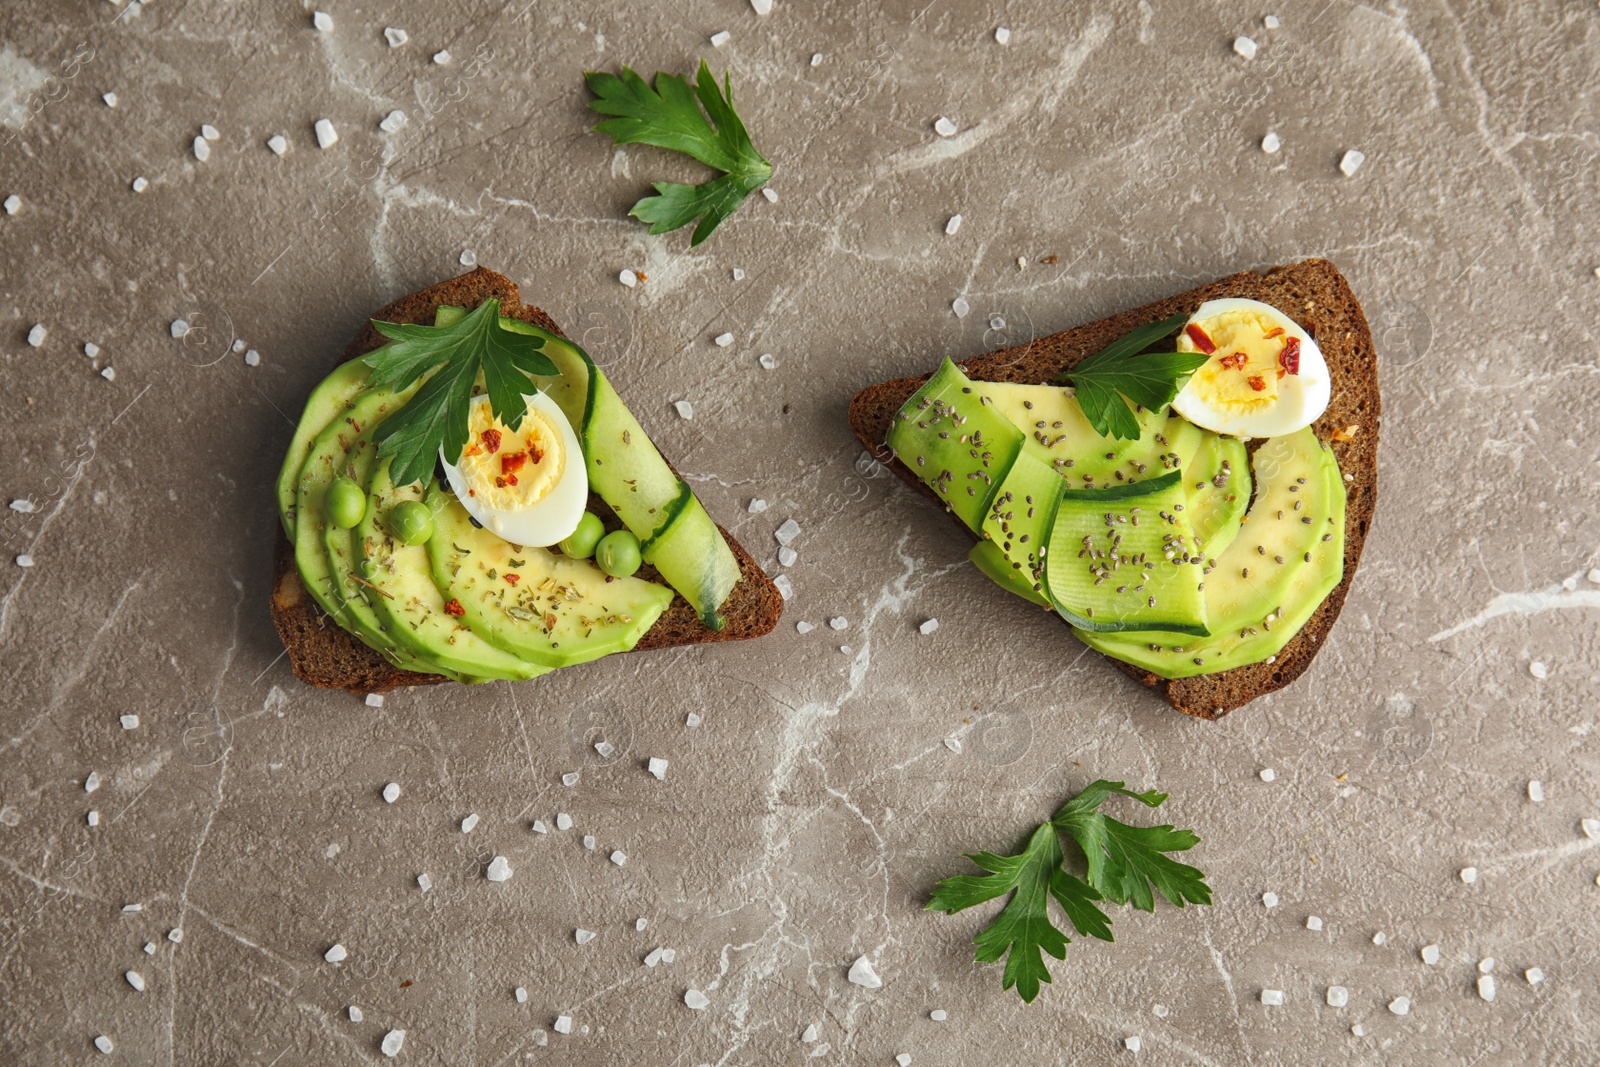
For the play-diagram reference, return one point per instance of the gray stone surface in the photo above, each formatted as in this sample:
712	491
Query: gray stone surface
804	822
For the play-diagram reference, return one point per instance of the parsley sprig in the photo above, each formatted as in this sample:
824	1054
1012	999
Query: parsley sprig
436	417
668	116
1125	865
1118	370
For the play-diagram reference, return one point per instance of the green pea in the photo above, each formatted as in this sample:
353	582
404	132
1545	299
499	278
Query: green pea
580	543
411	522
618	553
345	503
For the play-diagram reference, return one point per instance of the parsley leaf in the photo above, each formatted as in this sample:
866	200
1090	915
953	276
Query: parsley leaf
436	417
1124	862
669	116
1118	371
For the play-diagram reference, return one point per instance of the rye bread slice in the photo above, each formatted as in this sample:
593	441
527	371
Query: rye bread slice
325	655
1315	295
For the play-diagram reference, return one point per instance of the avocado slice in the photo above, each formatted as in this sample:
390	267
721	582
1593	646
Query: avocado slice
956	443
533	603
328	401
407	602
1287	558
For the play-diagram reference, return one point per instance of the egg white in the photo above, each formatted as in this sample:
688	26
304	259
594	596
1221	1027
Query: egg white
1302	397
557	513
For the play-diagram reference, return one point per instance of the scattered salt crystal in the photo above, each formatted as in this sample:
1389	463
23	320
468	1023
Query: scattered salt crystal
1469	874
696	1000
209	132
953	744
809	1035
1271	143
952	225
392	1043
393	122
1486	965
1314	923
640	923
653	957
135	979
757	506
13	204
997	322
140	184
103	1043
944	127
588	842
539	827
1272	998
1270	22
938	1015
692	719
1534	975
24	560
129	722
109	98
816	59
570	778
202	149
499	870
469	822
1002	35
1245	47
91	783
335	954
582	936
132	907
563	1024
1270	899
787	556
563	821
374	700
442	56
424	883
723	340
770	193
322	21
37	335
960	306
252	358
149	948
1268	774
862	974
657	767
784	586
1430	954
468	258
1352	162
327	136
1591	829
1338	996
521	994
1379	938
278	143
1594	574
767	361
1536	791
620	858
605	749
23	505
928	627
354	1013
1486	986
628	278
838	622
1358	1030
803	627
787	532
685	408
93	818
175	935
1400	1005
761	7
395	36
109	373
846	649
738	274
903	1059
720	38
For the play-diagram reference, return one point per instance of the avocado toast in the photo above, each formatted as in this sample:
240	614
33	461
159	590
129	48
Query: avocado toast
362	608
1228	603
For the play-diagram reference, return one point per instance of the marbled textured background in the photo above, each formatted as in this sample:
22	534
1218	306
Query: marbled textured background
805	821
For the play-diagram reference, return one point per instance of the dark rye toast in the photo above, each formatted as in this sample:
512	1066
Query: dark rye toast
323	654
1315	295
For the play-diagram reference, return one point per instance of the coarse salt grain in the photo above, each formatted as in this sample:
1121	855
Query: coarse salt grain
135	979
1486	965
202	149
563	821
1272	998
499	870
335	954
816	59
862	974
1002	35
354	1013
767	361
278	143
582	936
327	136
37	335
392	1043
109	98
720	38
469	822
588	842
960	306
1270	22
784	586
1536	791
761	7
393	122
209	132
692	719
696	1000
539	827
132	907
374	700
570	779
738	274
653	957
395	36
91	783
442	56
770	193
140	184
468	258
604	748
1245	47
952	225
563	1024
424	883
685	409
93	818
103	1043
944	127
1430	954
723	340
1486	986
787	556
521	994
953	743
1400	1005
657	767
1380	938
787	532
1338	996
13	204
803	627
1268	774
1314	923
938	1015
129	722
1351	162
620	858
839	622
322	21
904	1059
1538	670
1469	874
1591	829
757	506
628	278
1271	143
1269	899
928	627
1534	975
175	935
109	373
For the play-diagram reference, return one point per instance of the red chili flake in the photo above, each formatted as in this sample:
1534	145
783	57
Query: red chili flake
512	462
472	450
406	984
1257	382
491	440
1276	331
1289	358
454	608
513	579
1235	361
1201	341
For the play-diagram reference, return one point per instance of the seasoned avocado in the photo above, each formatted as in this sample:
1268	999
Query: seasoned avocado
956	443
1287	558
409	604
328	401
547	608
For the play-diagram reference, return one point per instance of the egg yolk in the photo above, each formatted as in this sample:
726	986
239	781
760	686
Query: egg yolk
1244	368
508	469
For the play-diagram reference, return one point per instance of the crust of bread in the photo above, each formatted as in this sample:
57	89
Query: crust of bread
1315	295
323	654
